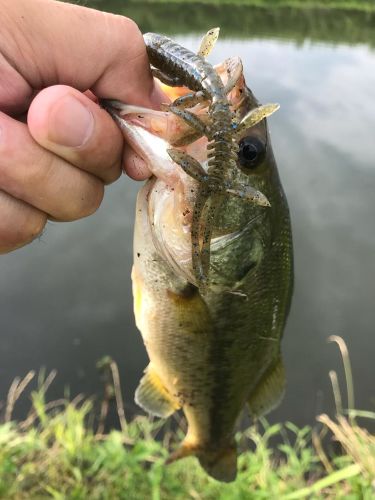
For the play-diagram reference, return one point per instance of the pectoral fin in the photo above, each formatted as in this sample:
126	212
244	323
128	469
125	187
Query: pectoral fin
153	397
269	391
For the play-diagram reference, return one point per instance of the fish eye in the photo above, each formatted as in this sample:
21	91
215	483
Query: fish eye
251	152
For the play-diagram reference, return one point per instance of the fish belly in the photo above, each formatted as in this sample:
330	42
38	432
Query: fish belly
203	352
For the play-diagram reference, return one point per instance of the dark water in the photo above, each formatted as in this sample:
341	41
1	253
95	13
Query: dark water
65	301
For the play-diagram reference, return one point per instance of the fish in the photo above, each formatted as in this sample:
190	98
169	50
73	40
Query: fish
214	350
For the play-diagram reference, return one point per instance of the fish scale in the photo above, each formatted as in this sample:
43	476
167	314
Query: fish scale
213	352
214	365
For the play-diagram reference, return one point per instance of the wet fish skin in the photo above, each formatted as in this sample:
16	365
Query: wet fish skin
214	354
211	354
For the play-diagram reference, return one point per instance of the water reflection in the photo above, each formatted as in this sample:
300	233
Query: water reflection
298	24
65	300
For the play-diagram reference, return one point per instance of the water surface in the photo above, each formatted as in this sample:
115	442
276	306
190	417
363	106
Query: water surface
65	300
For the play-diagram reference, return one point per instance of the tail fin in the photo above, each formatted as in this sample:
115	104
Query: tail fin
221	464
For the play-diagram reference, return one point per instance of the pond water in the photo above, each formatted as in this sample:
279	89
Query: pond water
65	300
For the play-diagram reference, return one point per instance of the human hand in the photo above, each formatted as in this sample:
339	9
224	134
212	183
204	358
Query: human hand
56	59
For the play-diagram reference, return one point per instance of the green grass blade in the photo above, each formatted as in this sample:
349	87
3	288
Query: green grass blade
318	486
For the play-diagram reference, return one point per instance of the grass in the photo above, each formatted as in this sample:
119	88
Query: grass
57	452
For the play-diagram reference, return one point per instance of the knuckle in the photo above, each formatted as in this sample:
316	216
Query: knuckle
85	203
112	173
37	171
13	236
131	29
123	27
92	200
35	227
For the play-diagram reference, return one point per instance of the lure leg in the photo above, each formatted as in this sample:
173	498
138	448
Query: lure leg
234	69
190	165
200	275
255	116
201	227
213	206
192	120
208	42
249	194
190	100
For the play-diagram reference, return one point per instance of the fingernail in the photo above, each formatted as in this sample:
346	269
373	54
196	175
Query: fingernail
71	123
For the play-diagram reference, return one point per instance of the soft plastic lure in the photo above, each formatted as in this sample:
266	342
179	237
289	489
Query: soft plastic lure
175	65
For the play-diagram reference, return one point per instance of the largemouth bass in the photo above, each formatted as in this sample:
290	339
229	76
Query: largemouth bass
214	349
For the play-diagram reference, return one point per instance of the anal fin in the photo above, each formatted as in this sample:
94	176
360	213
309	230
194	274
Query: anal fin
269	391
153	397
